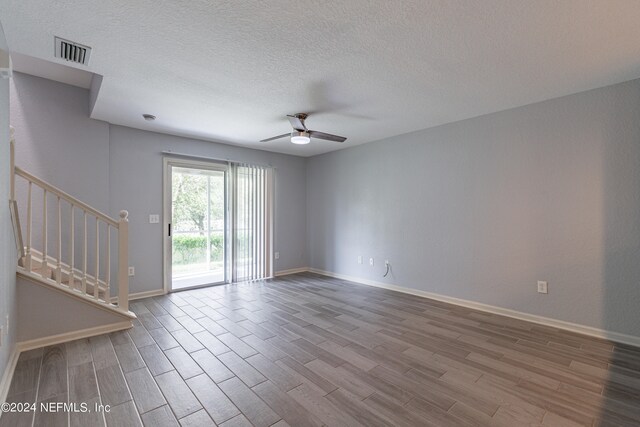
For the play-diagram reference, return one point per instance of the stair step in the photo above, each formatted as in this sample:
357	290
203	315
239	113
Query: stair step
68	280
78	284
48	272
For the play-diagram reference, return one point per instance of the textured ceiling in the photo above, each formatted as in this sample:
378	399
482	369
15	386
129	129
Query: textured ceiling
230	70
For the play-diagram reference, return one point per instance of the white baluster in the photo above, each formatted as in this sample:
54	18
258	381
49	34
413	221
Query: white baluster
123	261
72	254
84	257
44	265
59	265
96	286
28	260
108	272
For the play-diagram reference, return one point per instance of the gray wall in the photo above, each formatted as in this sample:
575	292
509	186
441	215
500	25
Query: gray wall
8	258
114	168
483	208
56	141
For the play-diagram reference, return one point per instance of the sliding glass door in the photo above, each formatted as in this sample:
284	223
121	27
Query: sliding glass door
218	223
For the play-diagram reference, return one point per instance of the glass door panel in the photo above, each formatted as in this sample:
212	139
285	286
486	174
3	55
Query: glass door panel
198	227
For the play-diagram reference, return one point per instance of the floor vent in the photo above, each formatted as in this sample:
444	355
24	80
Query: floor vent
72	51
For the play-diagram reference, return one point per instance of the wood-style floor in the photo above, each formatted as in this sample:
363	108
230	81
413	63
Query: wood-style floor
309	350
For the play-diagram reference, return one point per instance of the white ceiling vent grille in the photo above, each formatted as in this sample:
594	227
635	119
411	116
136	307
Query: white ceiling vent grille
72	51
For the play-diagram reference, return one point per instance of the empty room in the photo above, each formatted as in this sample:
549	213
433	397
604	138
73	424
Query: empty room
313	213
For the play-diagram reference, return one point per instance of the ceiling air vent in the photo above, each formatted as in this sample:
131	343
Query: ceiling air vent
72	51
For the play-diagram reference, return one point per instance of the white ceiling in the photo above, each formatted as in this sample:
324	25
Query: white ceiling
230	70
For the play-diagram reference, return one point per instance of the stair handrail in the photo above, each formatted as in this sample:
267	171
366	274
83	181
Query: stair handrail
65	196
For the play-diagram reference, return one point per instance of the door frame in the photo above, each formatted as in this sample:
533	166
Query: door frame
169	162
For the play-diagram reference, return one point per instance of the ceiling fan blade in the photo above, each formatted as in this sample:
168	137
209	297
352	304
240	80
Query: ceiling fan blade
276	137
327	136
296	123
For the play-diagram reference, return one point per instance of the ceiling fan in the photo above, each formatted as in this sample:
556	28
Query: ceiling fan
302	135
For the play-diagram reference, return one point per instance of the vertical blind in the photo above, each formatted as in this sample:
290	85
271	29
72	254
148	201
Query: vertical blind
251	222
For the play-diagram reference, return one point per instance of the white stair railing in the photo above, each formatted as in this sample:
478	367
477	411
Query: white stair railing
91	278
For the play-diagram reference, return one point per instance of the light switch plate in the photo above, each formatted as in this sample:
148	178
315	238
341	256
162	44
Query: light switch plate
543	287
154	219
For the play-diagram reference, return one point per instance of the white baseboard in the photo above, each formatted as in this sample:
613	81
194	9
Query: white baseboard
74	335
546	321
7	376
146	294
140	295
291	271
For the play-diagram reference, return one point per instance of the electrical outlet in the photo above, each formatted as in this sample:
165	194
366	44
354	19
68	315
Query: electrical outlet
277	255
371	262
359	259
154	219
132	271
542	287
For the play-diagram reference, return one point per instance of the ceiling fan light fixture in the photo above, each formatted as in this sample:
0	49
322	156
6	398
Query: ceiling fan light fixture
301	135
300	138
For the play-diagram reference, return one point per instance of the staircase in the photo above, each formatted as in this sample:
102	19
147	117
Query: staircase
68	245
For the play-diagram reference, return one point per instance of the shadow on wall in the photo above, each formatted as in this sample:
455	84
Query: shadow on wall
621	274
